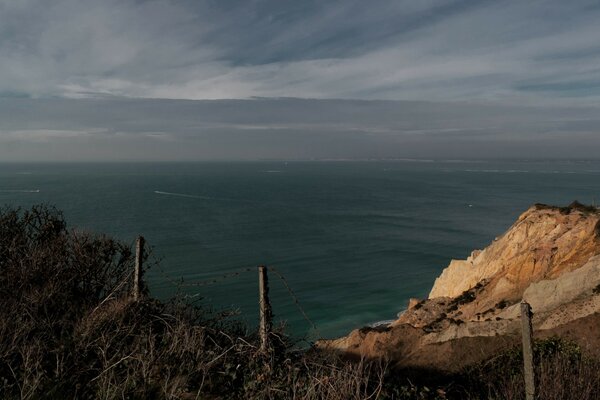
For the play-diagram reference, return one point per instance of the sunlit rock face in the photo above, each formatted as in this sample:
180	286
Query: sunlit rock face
543	243
550	257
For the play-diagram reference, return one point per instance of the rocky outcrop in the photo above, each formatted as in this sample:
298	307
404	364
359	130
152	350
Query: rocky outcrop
550	257
544	243
550	295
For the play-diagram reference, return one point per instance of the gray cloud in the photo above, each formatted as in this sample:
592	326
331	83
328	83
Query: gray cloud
509	51
121	129
89	80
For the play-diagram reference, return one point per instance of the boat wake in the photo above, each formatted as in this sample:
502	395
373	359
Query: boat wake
19	191
190	196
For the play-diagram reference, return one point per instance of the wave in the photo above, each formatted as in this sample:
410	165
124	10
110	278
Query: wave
560	172
191	196
272	172
418	160
19	191
499	171
381	324
521	171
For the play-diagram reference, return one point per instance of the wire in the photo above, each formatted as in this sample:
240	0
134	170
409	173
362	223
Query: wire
236	273
295	298
217	279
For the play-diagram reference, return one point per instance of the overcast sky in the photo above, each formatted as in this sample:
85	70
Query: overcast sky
107	80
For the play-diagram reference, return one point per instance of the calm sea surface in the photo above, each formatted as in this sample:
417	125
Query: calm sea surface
355	240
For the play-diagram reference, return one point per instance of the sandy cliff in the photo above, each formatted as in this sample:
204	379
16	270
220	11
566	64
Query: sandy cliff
549	257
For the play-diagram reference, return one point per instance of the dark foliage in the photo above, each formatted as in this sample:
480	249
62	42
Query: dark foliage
561	372
574	206
70	330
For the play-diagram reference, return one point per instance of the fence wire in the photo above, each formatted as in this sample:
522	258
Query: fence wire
179	283
234	274
295	299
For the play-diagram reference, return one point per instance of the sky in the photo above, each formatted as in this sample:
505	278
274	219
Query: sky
138	80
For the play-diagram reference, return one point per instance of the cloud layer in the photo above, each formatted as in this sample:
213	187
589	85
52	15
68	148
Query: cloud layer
85	80
289	129
508	51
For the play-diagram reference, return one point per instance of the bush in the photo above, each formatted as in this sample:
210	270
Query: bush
561	372
50	280
70	330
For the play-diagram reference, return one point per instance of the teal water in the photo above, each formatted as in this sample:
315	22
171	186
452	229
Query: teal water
355	240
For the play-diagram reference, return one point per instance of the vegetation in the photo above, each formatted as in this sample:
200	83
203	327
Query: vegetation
562	372
69	329
468	296
574	206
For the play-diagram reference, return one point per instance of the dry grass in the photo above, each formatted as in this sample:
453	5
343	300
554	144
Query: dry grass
68	330
562	372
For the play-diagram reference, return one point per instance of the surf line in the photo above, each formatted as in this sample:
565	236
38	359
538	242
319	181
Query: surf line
19	191
190	196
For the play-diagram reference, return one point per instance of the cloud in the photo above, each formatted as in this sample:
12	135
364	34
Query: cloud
509	51
43	135
119	129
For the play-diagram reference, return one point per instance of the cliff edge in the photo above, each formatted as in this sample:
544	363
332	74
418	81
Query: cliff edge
550	257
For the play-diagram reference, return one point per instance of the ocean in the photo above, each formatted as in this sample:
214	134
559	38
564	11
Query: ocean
353	240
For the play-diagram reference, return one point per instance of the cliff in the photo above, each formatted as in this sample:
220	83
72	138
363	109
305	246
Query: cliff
550	257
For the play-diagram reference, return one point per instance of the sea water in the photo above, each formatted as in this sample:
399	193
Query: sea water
354	240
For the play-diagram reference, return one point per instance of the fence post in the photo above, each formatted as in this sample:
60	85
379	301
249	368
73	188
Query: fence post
528	350
265	308
137	271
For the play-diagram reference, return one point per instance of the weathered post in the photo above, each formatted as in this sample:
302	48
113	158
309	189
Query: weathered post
137	271
528	350
265	308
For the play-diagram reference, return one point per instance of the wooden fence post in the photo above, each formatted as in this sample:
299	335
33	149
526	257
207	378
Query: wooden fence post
528	350
137	271
265	308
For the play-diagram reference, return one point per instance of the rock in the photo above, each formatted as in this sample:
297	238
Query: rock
543	243
547	295
413	302
550	257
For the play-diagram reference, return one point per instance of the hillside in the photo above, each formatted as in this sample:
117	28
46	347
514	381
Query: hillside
550	257
72	328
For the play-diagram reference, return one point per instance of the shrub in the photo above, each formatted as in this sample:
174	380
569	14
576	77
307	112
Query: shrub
561	372
68	329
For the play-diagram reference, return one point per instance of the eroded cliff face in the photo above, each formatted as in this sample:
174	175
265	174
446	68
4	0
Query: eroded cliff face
544	243
550	257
